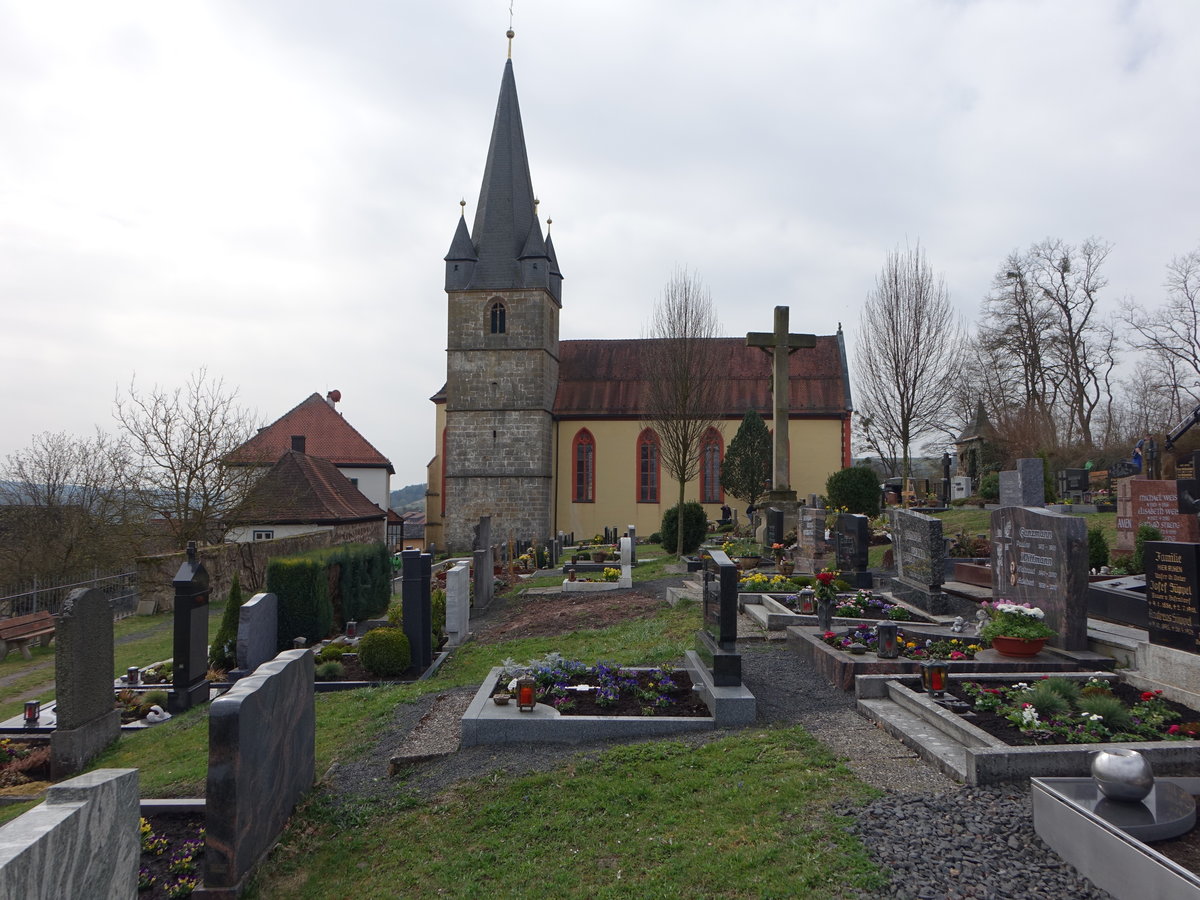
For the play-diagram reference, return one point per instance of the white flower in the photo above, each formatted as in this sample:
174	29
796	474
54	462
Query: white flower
1021	686
1029	715
1095	718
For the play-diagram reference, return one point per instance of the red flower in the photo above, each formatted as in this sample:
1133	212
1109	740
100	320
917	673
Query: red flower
830	634
1147	695
1174	729
826	578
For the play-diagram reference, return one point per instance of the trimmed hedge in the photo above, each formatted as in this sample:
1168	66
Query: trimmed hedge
695	527
356	584
301	584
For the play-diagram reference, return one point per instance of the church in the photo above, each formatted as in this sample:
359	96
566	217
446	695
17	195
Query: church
546	435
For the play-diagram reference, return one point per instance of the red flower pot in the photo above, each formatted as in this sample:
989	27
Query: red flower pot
1018	647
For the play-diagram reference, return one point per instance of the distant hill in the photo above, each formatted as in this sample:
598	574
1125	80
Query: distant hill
409	499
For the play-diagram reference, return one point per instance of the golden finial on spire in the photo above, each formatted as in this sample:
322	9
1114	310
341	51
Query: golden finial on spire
536	201
463	207
549	222
510	33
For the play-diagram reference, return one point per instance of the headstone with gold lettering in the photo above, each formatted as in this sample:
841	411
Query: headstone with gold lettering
1172	592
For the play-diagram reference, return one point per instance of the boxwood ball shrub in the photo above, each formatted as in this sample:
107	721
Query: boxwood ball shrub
384	652
1097	548
856	489
989	487
695	527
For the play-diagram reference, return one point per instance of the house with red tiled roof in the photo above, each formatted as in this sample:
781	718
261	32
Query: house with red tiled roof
301	494
315	427
546	435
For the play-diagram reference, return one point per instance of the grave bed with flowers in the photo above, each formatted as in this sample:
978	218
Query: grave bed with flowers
172	851
911	646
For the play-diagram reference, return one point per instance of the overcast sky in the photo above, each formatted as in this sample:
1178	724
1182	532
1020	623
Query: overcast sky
268	189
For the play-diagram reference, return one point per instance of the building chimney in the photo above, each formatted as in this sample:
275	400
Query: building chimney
298	443
333	397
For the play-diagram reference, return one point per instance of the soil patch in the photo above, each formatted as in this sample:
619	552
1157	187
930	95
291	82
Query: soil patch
174	837
547	615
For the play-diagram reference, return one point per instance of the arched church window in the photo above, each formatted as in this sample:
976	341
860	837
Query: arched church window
647	456
711	447
583	455
497	316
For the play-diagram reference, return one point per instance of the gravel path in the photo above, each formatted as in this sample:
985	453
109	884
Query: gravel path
937	838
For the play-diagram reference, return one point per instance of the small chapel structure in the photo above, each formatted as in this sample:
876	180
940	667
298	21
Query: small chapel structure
546	435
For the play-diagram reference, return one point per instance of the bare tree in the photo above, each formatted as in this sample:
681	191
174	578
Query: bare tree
65	507
178	441
1082	344
682	381
1171	334
910	362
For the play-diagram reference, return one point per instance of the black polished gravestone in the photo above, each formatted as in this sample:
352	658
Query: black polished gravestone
716	642
416	606
774	534
190	667
1173	594
853	539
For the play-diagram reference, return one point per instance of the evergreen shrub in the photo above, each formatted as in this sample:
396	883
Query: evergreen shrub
695	527
1144	533
856	489
989	487
384	652
223	652
1097	548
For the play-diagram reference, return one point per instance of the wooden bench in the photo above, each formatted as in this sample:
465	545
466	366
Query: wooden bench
19	631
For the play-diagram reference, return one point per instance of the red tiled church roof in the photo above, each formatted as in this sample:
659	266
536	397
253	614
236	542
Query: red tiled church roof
600	379
305	490
326	434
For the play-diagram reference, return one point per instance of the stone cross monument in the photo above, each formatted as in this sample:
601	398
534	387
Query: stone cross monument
781	345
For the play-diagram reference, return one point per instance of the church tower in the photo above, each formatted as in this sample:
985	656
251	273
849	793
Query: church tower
504	292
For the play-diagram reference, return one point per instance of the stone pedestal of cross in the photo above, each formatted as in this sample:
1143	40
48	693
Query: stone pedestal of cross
781	345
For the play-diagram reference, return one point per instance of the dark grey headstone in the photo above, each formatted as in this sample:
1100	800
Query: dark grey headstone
83	681
484	577
774	526
716	642
919	548
1040	558
415	601
257	634
190	667
261	761
1025	485
853	541
1173	594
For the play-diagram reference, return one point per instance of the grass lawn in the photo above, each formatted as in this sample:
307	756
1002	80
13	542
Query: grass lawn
745	816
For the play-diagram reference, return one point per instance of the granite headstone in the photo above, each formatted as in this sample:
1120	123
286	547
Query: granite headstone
716	642
257	634
189	670
1040	557
810	539
458	604
83	682
1173	594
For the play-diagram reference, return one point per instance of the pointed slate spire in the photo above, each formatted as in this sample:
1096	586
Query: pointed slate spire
505	214
555	275
461	258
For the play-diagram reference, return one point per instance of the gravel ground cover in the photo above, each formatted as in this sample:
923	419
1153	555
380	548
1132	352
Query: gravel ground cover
937	839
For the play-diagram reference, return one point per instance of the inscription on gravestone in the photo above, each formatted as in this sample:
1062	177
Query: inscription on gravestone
1172	592
920	550
1040	558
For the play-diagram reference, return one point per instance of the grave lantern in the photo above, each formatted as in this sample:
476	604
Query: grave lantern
33	712
888	646
808	601
934	675
132	675
351	629
525	693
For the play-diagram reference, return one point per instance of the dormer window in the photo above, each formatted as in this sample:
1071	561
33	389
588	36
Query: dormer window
497	316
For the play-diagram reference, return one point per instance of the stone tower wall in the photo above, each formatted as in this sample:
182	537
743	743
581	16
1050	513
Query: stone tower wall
499	394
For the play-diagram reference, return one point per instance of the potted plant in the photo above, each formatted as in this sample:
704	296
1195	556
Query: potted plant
1015	629
600	553
748	554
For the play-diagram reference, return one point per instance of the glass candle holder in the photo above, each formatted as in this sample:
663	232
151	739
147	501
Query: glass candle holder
934	675
808	601
889	644
133	675
33	712
526	688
